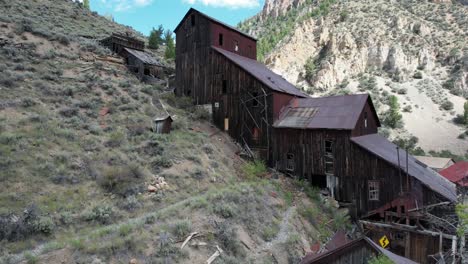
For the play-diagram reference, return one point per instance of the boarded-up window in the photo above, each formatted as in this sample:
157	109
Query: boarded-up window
221	39
329	157
290	162
373	190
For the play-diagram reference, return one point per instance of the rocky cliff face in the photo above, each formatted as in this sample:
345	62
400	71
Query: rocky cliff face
404	44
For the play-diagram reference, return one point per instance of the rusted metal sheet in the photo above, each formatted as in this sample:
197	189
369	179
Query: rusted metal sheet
334	112
260	72
384	149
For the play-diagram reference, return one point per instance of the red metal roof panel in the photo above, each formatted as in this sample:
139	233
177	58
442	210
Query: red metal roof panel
457	173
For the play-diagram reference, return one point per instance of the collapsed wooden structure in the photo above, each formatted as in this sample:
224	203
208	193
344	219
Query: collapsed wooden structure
143	64
331	141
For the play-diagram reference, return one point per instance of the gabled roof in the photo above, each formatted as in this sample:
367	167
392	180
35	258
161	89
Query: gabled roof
435	162
213	20
386	150
457	173
356	244
262	73
333	112
145	57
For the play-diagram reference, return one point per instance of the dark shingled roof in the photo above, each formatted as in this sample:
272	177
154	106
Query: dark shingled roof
333	112
262	73
213	20
386	150
145	57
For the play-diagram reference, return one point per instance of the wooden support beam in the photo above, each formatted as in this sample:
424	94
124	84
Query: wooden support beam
409	228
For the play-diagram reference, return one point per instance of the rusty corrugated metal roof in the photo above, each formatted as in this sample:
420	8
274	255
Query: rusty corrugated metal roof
213	20
457	173
333	112
262	73
145	57
386	150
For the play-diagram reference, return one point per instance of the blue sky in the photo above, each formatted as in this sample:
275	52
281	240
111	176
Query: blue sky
143	15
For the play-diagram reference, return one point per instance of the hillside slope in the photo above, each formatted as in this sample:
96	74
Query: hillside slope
415	50
78	153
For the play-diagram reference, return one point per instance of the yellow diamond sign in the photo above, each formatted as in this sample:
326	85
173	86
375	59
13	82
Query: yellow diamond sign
384	241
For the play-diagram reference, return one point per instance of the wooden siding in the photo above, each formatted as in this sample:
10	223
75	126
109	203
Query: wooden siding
246	47
141	69
353	165
193	46
193	52
227	103
117	43
372	126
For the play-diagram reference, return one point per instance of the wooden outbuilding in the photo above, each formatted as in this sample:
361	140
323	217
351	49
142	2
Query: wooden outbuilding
196	34
163	124
436	163
117	42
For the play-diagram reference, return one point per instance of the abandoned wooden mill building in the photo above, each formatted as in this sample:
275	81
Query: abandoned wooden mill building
332	142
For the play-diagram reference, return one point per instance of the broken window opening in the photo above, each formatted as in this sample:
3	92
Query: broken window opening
224	90
220	40
255	100
147	71
193	20
373	190
189	92
365	119
290	162
236	46
329	157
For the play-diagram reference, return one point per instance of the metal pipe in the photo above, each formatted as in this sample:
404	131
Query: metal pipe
407	172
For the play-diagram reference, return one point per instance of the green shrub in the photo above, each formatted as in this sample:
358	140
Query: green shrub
270	232
393	117
45	225
116	139
103	214
201	113
122	180
254	169
447	105
181	228
161	162
226	210
381	259
418	75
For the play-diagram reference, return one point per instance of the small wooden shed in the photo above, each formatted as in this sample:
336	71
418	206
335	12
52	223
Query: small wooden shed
163	124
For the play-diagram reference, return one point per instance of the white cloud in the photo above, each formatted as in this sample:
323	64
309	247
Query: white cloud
124	5
226	3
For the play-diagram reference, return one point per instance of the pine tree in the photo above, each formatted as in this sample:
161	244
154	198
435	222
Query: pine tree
394	118
155	38
170	47
86	4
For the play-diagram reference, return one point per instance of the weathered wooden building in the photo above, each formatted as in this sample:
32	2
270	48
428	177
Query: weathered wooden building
196	34
247	99
144	65
333	143
117	42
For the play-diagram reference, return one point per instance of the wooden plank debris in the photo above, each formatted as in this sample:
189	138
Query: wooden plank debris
218	252
188	239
